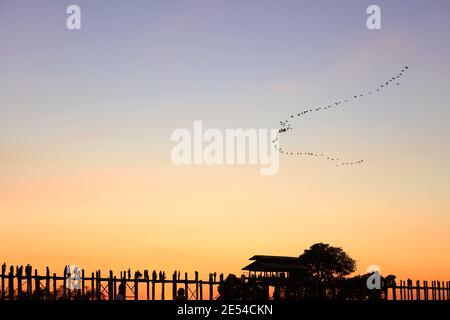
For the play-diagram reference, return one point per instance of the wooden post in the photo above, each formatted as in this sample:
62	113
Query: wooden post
425	290
186	286
430	291
201	290
153	284
405	288
99	285
55	289
444	290
394	290
37	286
221	285
433	289
83	283
408	289
174	285
417	290
65	282
433	292
95	285
3	281
19	281
93	289
29	275
401	289
436	291
115	287
196	285
448	290
136	287
11	283
211	288
147	288
163	287
110	286
439	289
47	283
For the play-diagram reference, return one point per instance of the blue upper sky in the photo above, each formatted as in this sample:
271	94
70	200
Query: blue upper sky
139	69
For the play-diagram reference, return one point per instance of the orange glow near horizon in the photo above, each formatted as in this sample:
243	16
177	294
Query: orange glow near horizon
86	118
206	222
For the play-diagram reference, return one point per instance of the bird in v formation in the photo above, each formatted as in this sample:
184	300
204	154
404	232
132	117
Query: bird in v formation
287	126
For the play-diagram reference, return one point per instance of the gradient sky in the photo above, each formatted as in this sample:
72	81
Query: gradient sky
86	118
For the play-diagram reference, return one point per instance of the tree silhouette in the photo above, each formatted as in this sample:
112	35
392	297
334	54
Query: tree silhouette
326	263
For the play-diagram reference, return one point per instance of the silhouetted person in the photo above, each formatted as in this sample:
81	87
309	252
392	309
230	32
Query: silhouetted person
121	295
19	271
28	270
180	294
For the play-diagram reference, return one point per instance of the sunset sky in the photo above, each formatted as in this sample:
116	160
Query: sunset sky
86	117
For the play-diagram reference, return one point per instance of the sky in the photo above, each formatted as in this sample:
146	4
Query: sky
86	116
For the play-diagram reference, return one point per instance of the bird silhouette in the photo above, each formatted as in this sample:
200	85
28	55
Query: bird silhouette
287	125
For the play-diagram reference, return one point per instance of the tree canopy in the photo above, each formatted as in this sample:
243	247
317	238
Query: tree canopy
326	262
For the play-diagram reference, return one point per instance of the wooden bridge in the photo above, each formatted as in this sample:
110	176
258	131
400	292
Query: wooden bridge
25	283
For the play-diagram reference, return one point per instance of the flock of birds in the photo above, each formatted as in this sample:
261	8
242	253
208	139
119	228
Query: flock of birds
287	126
